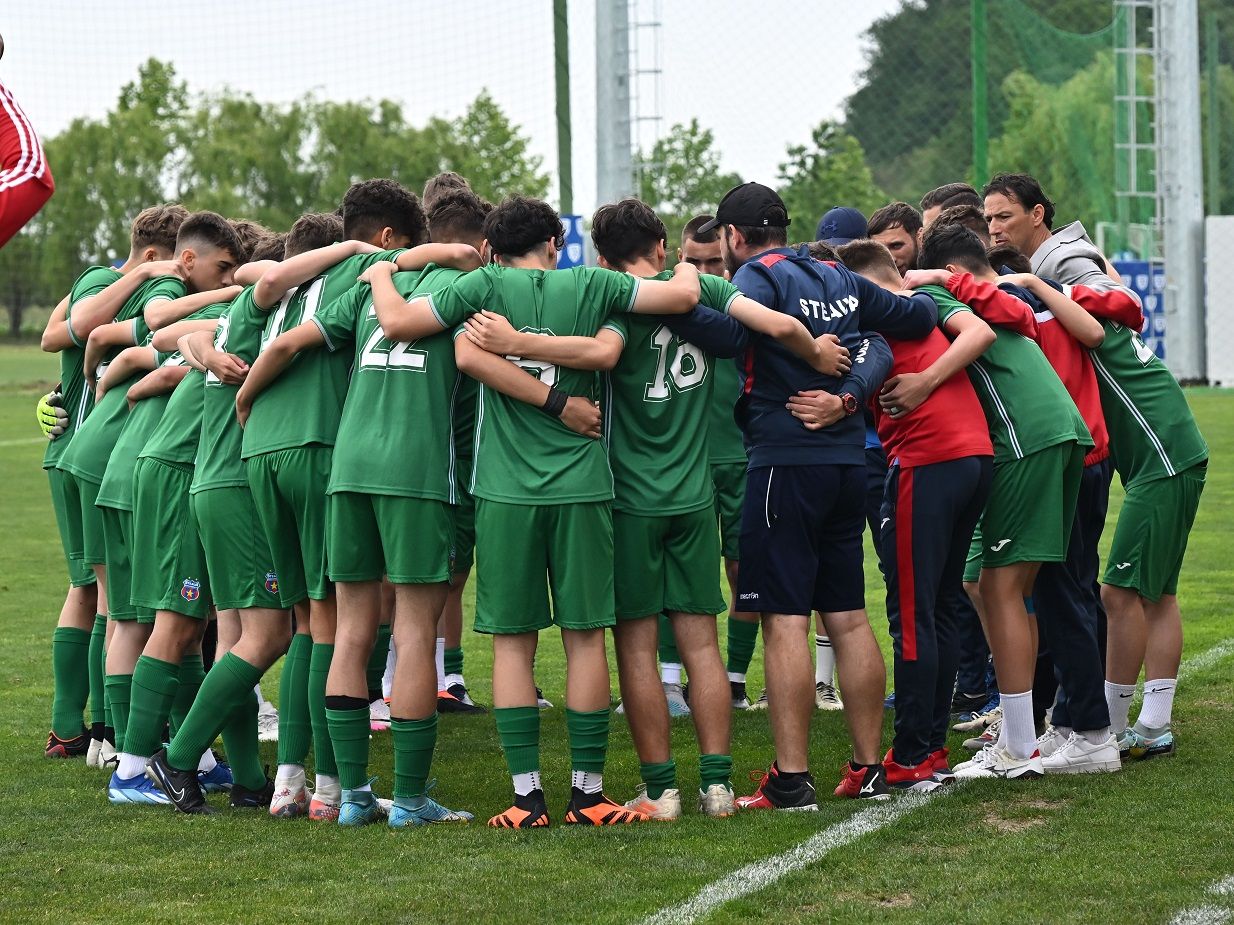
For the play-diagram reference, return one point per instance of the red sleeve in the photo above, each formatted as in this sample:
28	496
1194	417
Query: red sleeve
993	305
1113	305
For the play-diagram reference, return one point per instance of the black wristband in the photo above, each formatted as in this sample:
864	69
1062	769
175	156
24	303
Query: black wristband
555	403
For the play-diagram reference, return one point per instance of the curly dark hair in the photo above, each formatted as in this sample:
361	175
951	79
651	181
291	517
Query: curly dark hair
438	186
625	231
520	224
210	229
271	247
371	205
311	231
250	233
158	226
457	216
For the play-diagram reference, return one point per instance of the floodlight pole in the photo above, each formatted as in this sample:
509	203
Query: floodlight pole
614	159
565	134
977	63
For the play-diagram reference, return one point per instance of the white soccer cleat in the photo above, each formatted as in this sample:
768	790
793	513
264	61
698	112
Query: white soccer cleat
677	705
665	809
995	762
379	715
93	752
1079	756
268	724
717	801
291	796
826	697
761	703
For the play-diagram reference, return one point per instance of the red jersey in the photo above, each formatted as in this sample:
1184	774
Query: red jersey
950	424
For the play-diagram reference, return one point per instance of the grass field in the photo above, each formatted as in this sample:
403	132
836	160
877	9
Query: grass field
1137	846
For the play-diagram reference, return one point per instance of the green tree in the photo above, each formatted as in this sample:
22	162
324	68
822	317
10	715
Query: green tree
831	171
489	150
681	177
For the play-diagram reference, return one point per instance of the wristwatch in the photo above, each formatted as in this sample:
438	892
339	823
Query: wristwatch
850	403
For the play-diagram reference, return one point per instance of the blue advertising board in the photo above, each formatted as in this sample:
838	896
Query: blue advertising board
574	254
1147	280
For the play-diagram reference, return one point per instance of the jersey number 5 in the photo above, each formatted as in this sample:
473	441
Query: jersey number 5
687	369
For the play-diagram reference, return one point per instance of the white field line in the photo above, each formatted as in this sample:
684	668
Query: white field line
1223	887
762	874
25	441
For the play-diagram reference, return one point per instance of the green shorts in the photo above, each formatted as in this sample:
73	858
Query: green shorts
407	539
169	565
242	572
666	564
525	552
118	532
464	531
89	526
729	481
289	490
1151	537
67	506
1031	507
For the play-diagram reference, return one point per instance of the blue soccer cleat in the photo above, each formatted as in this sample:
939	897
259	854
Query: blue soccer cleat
217	780
137	790
359	807
409	811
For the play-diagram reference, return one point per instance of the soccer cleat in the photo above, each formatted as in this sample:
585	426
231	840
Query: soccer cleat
358	807
1050	741
543	702
135	790
243	798
826	697
677	705
977	721
460	694
597	809
108	756
528	812
1134	745
737	690
665	809
217	779
889	702
182	787
863	783
67	748
291	797
919	777
404	813
93	752
1079	756
717	801
774	792
454	699
324	805
268	725
379	715
966	706
987	738
942	766
998	762
761	703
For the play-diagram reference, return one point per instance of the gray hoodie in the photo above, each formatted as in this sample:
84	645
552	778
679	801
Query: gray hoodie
1069	256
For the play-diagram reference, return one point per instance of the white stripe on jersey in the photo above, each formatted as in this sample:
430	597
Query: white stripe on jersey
1002	409
1135	413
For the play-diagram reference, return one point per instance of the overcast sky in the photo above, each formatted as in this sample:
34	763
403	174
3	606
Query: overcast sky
745	70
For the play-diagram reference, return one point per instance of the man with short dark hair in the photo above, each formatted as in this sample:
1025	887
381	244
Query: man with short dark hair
942	197
896	226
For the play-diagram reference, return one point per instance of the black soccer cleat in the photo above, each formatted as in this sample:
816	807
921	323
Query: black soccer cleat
182	787
776	791
455	699
67	748
243	798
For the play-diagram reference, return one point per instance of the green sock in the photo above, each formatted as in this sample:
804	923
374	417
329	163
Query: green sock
668	642
97	657
240	741
228	685
70	653
454	660
349	739
715	769
741	639
518	729
659	777
414	741
295	733
323	749
377	662
192	673
154	688
588	734
119	693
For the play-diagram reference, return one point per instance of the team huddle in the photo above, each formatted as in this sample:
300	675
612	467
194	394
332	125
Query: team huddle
296	445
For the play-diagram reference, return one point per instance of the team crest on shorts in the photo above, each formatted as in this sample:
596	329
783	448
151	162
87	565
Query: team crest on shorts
272	583
191	589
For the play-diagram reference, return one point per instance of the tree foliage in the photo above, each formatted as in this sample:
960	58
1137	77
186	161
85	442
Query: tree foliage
831	171
681	177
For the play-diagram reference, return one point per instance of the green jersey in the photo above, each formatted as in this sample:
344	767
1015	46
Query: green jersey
395	436
522	455
219	464
116	491
657	412
1153	434
1026	405
76	397
724	440
91	449
463	421
303	406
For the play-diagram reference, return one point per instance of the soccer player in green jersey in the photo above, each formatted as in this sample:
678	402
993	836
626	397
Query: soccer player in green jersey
543	491
1039	442
79	633
390	513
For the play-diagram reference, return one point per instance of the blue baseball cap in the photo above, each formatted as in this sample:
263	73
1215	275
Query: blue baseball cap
841	225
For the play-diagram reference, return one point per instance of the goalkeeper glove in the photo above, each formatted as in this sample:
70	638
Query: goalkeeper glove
53	419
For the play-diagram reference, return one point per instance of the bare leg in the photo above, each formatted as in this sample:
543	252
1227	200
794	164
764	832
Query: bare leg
80	606
513	684
711	707
790	687
1127	634
415	632
1164	651
587	687
863	678
641	691
359	612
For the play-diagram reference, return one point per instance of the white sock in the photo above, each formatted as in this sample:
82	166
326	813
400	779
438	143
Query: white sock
825	661
207	762
1064	731
737	677
327	789
262	702
289	773
1095	736
364	788
1158	703
130	765
452	679
670	672
587	781
441	663
1118	701
1019	735
526	783
387	679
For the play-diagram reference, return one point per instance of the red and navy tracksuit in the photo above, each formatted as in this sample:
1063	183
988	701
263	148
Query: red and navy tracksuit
941	463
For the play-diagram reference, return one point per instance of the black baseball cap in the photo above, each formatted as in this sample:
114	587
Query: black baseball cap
748	205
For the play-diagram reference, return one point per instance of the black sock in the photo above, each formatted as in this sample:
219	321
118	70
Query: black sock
96	730
346	703
109	735
375	694
790	776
